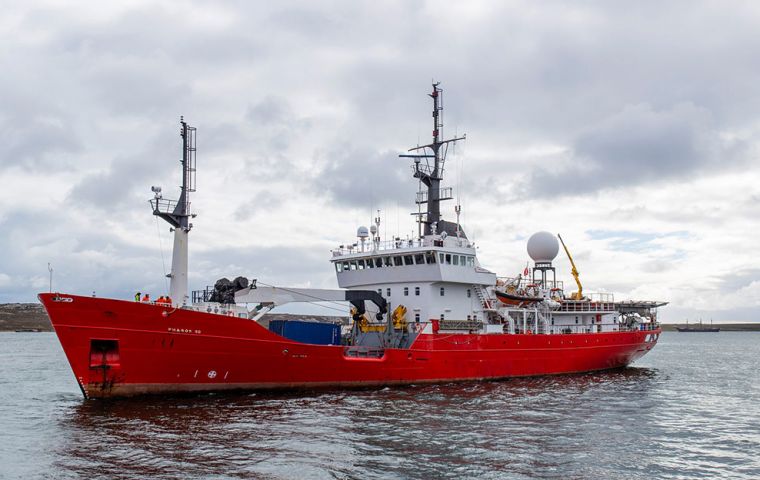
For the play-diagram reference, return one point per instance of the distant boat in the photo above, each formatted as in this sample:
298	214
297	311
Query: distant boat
698	328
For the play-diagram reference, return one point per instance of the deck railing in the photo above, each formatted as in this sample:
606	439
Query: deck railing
395	244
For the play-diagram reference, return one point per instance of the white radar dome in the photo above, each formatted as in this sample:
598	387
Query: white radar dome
362	232
543	247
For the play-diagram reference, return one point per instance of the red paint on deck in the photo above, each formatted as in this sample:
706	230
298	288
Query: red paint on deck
120	348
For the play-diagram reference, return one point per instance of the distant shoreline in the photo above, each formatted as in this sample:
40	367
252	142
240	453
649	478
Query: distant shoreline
32	317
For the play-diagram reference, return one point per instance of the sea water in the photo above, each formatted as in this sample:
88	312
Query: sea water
688	409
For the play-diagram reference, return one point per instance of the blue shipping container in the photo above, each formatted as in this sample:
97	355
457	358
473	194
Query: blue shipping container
316	333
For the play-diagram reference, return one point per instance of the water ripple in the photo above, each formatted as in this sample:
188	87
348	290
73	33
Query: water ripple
691	408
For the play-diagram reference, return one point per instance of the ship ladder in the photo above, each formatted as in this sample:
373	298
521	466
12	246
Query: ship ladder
485	302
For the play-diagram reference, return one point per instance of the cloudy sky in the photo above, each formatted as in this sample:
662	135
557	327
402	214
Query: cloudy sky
632	128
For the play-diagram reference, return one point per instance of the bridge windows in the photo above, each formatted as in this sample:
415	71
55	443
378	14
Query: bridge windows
406	291
416	318
443	291
420	258
469	293
417	291
388	292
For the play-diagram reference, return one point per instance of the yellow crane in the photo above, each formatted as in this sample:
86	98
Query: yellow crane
579	294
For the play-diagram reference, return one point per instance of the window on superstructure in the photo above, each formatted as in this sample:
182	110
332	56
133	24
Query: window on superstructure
353	265
442	317
430	258
576	319
471	261
469	293
388	261
440	258
378	262
346	267
406	291
388	292
380	291
338	267
463	260
468	317
360	264
456	259
417	318
448	259
408	260
397	261
370	263
443	291
419	259
417	291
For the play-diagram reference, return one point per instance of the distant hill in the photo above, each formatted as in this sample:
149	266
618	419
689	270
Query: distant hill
724	327
24	316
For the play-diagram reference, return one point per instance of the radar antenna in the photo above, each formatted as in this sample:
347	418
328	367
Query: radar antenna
429	165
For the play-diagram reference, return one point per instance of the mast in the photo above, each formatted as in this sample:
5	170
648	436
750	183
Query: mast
431	171
177	214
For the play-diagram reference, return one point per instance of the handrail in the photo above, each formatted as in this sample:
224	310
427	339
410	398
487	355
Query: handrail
370	247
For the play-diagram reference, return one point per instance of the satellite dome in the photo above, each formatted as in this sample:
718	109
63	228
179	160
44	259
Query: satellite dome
362	232
543	247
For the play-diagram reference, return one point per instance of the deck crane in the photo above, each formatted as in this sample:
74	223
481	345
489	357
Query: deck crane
579	294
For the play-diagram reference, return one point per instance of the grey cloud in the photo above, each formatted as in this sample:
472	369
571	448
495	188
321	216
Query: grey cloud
82	260
361	177
637	145
738	280
126	180
37	142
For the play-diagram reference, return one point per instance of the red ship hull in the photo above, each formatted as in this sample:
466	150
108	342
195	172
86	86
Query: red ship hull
119	348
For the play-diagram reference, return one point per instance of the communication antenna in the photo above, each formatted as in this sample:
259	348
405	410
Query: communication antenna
375	230
50	270
429	161
177	214
458	211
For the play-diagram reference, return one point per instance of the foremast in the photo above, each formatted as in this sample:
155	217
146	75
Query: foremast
431	171
177	214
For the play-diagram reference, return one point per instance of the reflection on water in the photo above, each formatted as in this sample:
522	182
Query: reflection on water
689	409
